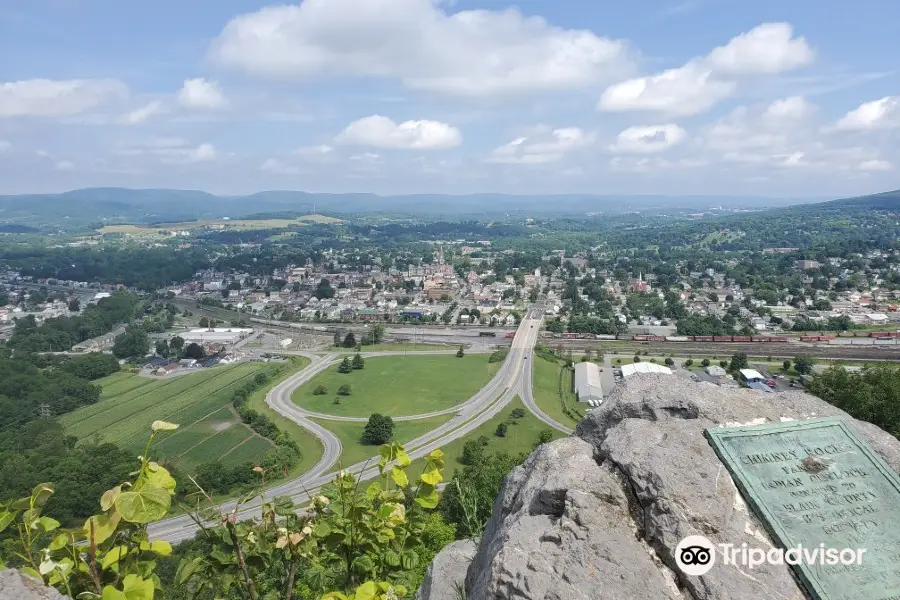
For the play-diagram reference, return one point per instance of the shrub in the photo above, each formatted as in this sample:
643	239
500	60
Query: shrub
320	390
501	430
344	390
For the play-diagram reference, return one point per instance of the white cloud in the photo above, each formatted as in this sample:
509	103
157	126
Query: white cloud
279	167
703	82
139	115
49	98
469	53
4	145
767	48
793	108
545	147
314	151
382	132
64	165
171	150
877	114
200	94
875	165
649	139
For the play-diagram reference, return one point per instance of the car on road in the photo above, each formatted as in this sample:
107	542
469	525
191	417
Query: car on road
771	383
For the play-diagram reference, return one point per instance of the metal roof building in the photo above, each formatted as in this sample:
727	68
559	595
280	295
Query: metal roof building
587	382
644	367
752	375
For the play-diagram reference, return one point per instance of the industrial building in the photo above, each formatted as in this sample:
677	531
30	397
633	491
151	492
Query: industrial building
587	383
755	380
218	336
633	369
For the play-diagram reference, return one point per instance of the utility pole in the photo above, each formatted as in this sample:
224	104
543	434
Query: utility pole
45	411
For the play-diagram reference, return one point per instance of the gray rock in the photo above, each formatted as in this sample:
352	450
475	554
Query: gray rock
446	574
599	515
561	530
17	586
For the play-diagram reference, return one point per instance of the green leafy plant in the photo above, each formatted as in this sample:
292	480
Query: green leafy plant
111	557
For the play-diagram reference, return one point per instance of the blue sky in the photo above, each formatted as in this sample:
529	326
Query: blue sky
797	98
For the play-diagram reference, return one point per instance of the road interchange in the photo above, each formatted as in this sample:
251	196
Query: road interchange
511	380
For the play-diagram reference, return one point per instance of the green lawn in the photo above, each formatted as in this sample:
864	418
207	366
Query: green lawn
545	384
310	446
354	451
399	385
199	402
521	436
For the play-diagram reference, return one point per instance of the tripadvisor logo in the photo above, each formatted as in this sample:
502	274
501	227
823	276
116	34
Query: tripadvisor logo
695	555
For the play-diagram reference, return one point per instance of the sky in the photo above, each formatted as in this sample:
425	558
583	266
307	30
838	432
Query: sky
795	98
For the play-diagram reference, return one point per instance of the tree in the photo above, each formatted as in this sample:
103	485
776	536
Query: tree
739	361
803	364
460	353
74	305
345	390
134	342
93	365
204	323
346	366
176	343
320	390
358	362
669	361
786	366
195	351
379	430
472	452
723	364
349	340
324	290
705	363
517	413
636	359
337	339
545	436
501	430
689	362
162	348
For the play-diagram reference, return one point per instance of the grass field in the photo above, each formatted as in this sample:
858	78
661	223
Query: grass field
387	347
521	436
545	384
399	385
354	451
235	224
200	403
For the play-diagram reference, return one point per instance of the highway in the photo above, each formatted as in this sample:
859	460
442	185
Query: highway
511	380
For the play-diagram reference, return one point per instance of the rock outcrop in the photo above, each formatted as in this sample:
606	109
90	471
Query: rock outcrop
599	515
18	586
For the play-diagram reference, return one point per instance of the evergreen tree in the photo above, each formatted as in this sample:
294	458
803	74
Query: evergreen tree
349	340
345	366
358	362
379	430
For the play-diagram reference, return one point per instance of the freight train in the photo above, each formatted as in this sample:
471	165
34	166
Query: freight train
668	338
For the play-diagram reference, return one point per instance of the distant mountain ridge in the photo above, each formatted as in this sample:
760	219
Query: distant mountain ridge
123	205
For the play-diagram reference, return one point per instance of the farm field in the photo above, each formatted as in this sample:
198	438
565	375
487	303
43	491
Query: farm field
354	451
199	402
521	436
235	224
399	385
545	385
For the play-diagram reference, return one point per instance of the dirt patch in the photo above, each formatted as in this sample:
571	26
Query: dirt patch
222	426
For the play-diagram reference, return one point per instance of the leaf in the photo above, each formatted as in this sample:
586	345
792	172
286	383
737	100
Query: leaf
187	568
158	476
163	426
6	518
41	493
399	477
58	542
429	500
322	530
160	547
435	456
113	556
136	588
109	498
46	524
334	596
366	591
402	458
150	503
431	476
284	506
103	526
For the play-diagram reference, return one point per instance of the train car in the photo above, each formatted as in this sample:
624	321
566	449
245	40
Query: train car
809	338
760	338
778	339
603	336
884	335
701	338
740	338
677	338
648	338
721	338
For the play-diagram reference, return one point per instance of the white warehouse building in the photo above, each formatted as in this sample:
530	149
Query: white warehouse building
587	383
633	369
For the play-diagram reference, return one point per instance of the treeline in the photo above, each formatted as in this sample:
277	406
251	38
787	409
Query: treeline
872	394
33	445
61	333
